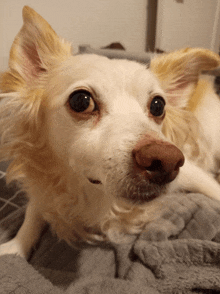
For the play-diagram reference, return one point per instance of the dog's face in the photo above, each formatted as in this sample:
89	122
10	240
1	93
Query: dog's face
92	125
97	111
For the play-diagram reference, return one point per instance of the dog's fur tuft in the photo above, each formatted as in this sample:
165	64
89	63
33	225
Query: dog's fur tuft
179	73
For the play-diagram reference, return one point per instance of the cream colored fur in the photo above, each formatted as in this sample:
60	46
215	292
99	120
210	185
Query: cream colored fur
54	152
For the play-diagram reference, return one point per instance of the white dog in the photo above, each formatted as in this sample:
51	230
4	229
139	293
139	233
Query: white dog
91	140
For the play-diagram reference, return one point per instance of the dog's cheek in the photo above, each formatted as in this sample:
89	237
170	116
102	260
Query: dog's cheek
60	133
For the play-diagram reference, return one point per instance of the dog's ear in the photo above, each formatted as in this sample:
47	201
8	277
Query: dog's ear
35	49
179	71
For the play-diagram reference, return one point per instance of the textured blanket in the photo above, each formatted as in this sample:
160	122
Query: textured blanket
177	253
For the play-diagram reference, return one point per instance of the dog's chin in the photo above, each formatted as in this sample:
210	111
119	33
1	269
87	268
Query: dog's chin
135	188
148	186
141	194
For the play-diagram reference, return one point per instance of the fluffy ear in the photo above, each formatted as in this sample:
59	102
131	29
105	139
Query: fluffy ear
35	49
179	71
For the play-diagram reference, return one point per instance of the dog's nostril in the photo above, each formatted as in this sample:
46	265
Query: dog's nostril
156	165
96	182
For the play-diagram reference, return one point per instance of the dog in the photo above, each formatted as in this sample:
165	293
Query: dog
95	143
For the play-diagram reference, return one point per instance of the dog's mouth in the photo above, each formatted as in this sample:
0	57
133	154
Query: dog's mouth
138	188
142	191
135	188
138	185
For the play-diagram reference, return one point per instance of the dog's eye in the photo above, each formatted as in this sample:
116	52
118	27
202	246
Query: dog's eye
157	106
82	101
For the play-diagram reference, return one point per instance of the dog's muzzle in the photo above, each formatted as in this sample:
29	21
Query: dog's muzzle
153	164
158	161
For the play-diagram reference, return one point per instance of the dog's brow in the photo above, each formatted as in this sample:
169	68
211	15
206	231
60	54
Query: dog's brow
150	92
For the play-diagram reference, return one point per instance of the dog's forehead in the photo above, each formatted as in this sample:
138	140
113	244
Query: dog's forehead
103	75
115	69
93	67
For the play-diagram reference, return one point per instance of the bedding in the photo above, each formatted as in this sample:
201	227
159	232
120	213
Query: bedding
177	253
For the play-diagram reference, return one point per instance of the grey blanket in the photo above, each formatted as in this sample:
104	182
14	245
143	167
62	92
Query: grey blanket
177	253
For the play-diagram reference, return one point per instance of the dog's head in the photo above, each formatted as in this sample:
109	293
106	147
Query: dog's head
88	125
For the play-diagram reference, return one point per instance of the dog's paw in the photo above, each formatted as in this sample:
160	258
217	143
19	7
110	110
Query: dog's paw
12	247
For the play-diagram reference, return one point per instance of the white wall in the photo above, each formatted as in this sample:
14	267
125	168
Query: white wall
188	23
94	22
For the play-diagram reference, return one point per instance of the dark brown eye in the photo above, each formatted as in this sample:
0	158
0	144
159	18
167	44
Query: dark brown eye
82	101
157	106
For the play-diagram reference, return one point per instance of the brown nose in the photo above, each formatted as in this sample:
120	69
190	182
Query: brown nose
158	161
